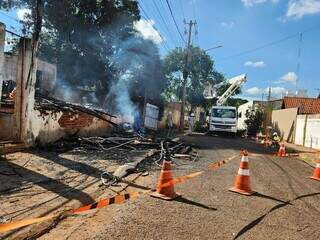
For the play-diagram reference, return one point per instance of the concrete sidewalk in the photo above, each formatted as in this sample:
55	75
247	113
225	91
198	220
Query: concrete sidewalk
306	154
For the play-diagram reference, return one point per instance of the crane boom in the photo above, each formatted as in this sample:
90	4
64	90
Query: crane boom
236	83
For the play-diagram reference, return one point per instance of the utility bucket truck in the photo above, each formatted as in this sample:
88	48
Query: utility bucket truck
224	118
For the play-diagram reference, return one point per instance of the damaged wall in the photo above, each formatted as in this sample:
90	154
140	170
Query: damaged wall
175	109
49	126
31	126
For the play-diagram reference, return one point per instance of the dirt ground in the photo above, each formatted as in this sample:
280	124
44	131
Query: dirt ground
42	181
285	205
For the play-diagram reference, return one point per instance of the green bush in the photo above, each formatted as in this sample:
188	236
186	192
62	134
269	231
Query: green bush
198	127
254	120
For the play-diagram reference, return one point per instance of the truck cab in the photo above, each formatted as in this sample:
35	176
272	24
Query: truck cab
223	119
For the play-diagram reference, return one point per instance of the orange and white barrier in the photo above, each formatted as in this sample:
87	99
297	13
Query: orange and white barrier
242	181
316	173
282	151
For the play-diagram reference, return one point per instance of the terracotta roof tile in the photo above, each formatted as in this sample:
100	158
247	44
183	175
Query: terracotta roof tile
305	105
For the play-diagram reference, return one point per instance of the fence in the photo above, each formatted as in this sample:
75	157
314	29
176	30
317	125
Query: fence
308	131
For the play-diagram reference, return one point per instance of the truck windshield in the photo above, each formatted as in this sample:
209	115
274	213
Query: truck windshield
224	113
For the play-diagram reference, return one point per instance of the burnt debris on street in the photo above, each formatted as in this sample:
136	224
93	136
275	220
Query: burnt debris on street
162	119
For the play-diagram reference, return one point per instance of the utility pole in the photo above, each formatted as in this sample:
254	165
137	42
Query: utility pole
185	74
318	89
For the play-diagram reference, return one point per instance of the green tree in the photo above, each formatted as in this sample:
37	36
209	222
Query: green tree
255	116
94	44
201	72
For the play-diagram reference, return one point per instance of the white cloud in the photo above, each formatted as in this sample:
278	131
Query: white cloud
250	3
258	64
289	77
227	24
147	30
254	91
275	91
299	8
22	13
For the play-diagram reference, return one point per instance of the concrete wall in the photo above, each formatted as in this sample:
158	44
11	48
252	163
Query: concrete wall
10	67
49	74
175	108
308	131
48	126
31	126
284	122
7	131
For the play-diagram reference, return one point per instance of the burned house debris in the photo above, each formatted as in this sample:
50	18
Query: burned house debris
79	147
30	114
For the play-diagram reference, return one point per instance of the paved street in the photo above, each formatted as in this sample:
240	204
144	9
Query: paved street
285	206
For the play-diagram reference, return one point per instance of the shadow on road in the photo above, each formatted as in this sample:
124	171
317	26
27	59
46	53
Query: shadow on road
255	222
190	202
257	194
225	143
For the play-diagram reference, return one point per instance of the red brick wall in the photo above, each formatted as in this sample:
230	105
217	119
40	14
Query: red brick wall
75	120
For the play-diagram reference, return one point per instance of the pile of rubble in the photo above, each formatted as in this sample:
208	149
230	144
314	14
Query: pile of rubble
45	103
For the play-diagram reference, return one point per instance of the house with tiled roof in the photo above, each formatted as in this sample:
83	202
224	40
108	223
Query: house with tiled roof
304	105
298	121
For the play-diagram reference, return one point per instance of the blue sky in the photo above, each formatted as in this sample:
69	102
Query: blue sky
241	25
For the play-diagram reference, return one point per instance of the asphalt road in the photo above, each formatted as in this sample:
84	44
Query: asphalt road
286	204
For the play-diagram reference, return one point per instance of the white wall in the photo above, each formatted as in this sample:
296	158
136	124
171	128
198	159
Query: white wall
308	131
300	129
242	109
284	121
47	127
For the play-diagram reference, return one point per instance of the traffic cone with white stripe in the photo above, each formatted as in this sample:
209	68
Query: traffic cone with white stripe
316	173
282	150
242	181
166	193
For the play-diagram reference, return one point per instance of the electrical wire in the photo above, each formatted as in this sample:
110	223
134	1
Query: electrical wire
298	60
270	43
164	22
260	47
182	10
149	19
175	22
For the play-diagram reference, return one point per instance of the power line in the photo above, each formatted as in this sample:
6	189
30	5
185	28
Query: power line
182	10
269	44
13	33
149	19
261	47
175	23
298	60
194	9
164	22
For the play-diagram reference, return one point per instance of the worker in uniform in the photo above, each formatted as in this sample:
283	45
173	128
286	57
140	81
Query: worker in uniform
191	122
275	140
169	123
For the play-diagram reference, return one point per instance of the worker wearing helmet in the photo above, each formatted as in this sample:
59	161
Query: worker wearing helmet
275	137
191	122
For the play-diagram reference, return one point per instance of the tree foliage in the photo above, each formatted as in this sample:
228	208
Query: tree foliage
201	71
94	44
255	116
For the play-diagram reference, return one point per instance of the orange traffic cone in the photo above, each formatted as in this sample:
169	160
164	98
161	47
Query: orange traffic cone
242	182
282	150
167	192
316	173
